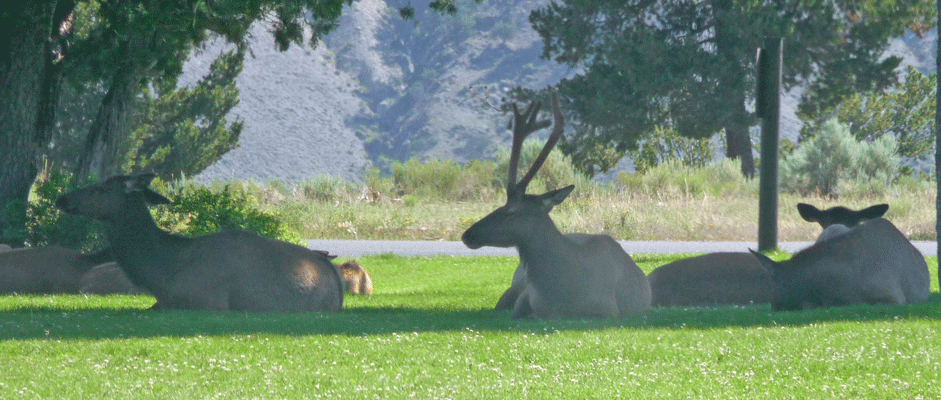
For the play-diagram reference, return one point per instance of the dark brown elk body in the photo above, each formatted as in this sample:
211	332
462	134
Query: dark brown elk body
46	270
355	278
231	270
872	263
710	280
560	275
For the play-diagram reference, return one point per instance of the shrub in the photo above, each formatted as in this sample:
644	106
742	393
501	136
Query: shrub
434	178
324	188
673	177
666	144
45	225
833	156
196	210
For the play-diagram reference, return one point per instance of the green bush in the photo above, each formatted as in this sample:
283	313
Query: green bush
196	210
433	179
666	144
45	225
325	188
674	177
833	159
444	180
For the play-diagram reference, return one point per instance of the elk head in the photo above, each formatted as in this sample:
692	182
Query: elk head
840	215
523	215
110	198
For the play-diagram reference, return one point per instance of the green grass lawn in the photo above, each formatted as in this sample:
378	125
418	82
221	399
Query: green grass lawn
429	332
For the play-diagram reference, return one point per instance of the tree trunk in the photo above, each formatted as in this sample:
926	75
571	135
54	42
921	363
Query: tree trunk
732	84
738	145
25	28
104	145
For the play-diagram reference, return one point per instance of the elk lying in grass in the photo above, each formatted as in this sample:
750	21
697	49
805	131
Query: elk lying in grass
562	276
230	270
46	270
355	278
710	280
871	263
836	221
738	278
108	279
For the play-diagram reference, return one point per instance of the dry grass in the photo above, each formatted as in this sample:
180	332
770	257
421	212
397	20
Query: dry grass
669	202
625	215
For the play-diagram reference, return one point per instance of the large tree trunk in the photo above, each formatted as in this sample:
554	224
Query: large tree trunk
25	29
732	83
104	145
738	142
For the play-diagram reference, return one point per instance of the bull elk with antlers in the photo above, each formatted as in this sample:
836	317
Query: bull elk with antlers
560	275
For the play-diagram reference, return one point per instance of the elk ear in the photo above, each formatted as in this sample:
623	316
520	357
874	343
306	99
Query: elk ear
808	212
765	262
874	212
555	197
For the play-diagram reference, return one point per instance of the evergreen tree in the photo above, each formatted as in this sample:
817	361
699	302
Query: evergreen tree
689	63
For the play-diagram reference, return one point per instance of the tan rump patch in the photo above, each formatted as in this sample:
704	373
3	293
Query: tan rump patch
306	276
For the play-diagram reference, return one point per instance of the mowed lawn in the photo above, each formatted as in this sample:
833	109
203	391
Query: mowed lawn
429	332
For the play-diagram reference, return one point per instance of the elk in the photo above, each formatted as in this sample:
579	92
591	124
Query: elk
738	278
107	279
710	280
46	270
560	275
355	278
225	271
871	263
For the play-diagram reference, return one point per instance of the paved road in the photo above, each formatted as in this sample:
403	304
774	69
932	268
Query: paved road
357	248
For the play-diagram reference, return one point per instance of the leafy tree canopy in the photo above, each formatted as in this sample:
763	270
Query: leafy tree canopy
907	113
689	64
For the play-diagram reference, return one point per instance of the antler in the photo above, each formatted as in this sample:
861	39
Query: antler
523	125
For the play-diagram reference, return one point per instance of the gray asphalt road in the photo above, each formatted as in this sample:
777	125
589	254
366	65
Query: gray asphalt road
357	248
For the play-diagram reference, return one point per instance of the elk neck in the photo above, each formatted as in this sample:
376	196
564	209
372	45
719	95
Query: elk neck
145	252
544	246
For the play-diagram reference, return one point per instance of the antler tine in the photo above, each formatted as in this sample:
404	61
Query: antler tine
523	125
557	128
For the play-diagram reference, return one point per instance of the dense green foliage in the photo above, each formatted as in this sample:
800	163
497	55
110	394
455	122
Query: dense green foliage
45	225
906	112
689	64
182	131
664	145
196	210
833	155
429	332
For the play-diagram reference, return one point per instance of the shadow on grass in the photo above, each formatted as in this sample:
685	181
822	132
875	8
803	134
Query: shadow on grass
42	322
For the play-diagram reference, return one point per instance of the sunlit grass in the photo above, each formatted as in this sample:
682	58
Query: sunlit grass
429	332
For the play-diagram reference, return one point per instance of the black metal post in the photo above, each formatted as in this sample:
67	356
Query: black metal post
769	109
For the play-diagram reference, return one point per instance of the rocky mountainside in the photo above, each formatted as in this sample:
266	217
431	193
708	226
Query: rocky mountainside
380	89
